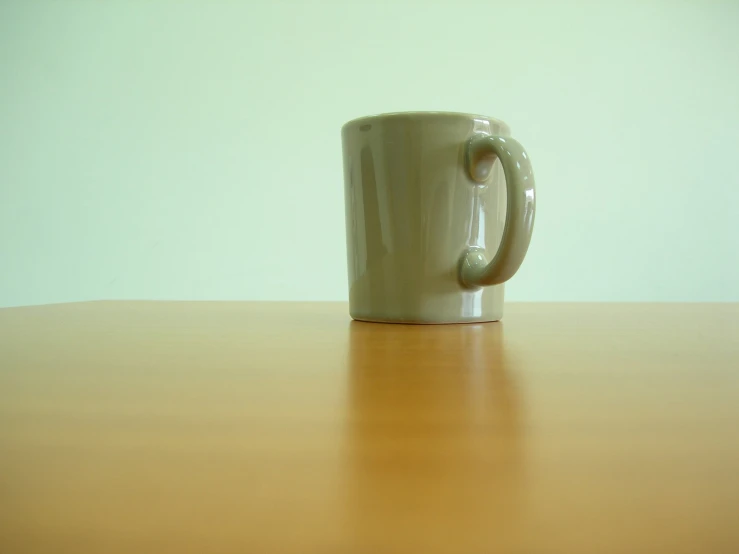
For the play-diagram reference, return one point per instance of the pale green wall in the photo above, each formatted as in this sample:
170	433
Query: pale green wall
141	142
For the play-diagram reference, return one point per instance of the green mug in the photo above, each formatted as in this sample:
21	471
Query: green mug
426	207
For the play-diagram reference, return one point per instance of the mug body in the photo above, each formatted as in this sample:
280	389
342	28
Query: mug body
412	210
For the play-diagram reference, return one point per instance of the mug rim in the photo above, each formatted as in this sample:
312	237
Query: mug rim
462	115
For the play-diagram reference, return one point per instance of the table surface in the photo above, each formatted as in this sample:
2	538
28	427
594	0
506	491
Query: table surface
130	427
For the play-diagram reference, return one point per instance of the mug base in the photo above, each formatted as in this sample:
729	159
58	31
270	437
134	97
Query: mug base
421	322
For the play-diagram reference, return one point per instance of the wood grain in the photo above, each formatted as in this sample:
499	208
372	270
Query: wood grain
278	428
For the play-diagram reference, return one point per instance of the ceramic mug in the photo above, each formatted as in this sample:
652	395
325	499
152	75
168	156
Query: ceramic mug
439	214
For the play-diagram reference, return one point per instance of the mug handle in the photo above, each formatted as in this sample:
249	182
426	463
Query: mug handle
481	152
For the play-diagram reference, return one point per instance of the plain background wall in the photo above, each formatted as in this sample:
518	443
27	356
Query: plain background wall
148	149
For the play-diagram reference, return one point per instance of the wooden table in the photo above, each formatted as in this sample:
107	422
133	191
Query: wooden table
262	428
